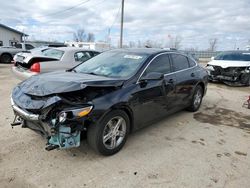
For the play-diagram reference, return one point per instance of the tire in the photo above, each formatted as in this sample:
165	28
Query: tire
6	58
116	136
196	99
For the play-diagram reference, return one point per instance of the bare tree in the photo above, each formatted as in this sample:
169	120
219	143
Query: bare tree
174	42
177	42
79	35
213	44
91	37
139	45
131	44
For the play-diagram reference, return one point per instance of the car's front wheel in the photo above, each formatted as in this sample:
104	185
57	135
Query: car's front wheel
196	99
109	135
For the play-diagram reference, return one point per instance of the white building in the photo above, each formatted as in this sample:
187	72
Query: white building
10	36
99	46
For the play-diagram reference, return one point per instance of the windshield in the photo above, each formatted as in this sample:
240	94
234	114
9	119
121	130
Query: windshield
113	64
53	53
234	56
38	50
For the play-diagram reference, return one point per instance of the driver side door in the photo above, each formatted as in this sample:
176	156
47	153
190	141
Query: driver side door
153	99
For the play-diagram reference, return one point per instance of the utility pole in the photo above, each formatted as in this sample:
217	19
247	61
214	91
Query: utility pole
122	15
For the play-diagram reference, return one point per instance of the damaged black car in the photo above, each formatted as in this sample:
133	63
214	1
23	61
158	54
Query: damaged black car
107	97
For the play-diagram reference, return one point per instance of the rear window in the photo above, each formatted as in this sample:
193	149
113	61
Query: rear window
234	56
191	62
180	62
54	53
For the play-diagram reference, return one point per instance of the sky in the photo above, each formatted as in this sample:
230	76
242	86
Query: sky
195	22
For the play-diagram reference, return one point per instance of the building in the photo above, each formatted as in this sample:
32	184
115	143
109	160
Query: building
39	43
10	36
99	46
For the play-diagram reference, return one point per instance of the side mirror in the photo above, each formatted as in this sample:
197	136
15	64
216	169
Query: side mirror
212	58
152	76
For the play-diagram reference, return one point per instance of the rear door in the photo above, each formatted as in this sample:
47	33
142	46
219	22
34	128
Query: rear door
186	78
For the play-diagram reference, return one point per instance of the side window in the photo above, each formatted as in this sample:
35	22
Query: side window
95	53
1	43
18	45
180	62
29	46
191	62
160	64
82	56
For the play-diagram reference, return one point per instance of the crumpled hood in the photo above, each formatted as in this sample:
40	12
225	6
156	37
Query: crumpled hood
225	64
62	82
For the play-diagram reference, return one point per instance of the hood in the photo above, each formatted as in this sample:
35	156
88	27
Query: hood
62	82
226	64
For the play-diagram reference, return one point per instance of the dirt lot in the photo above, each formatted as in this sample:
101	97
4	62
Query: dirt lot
210	148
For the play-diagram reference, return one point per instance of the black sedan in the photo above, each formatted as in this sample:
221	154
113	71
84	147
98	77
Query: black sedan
108	96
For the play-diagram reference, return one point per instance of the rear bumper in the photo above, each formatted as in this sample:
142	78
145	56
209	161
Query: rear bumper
22	74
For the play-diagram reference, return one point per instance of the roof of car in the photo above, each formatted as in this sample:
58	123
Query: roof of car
68	49
147	51
237	51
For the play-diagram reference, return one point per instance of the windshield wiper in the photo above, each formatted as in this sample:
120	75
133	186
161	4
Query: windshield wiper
93	73
71	70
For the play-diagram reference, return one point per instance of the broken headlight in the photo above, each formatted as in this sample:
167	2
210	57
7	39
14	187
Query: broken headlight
210	68
74	113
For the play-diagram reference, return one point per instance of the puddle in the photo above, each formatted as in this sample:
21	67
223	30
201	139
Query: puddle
222	116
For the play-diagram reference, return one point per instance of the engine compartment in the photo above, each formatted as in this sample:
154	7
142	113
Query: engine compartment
230	75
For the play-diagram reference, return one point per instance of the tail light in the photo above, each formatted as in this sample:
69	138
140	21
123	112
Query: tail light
35	67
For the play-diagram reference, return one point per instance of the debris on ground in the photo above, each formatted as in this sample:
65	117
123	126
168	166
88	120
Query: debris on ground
240	153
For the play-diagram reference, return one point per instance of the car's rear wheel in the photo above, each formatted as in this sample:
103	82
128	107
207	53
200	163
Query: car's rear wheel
5	58
196	99
109	135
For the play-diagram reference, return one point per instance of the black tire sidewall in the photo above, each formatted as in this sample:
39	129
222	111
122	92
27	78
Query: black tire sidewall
96	140
194	108
5	57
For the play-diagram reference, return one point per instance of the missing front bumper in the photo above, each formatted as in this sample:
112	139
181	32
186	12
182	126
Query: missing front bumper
58	135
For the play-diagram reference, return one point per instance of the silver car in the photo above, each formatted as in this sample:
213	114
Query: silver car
48	60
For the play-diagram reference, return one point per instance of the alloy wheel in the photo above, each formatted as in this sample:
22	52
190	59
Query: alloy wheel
114	132
197	98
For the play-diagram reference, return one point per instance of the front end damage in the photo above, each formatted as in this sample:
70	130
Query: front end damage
58	116
61	126
233	76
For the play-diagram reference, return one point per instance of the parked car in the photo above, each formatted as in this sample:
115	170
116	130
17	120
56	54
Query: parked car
34	51
232	68
48	60
108	96
7	52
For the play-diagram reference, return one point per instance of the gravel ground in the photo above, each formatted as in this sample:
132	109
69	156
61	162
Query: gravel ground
209	148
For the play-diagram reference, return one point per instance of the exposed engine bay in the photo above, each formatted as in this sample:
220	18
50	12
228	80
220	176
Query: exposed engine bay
58	116
233	76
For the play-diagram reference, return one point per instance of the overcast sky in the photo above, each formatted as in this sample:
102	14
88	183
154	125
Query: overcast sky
195	21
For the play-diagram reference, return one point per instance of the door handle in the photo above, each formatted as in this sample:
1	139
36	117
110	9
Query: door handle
171	81
192	75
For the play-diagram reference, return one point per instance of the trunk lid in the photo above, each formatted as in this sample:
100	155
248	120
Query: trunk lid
26	60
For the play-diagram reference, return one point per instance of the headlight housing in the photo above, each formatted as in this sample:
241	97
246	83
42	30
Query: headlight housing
74	113
210	68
